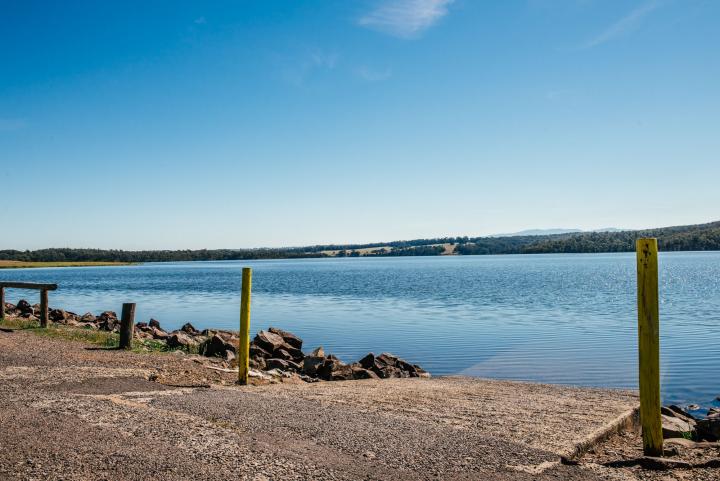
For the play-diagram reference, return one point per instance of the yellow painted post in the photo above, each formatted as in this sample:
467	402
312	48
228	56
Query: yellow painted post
244	348
649	346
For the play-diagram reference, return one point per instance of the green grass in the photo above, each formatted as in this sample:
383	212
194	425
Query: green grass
55	331
18	323
86	335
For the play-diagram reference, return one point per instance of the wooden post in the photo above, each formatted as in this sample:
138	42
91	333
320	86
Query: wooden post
127	325
244	348
43	308
649	346
2	303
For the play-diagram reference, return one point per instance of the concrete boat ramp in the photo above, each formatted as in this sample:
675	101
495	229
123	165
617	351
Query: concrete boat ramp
71	413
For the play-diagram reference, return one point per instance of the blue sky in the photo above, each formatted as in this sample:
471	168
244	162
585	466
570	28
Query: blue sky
183	124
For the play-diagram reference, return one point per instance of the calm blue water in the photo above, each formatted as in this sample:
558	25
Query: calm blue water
564	318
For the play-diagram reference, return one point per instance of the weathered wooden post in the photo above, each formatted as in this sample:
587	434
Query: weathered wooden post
649	346
244	348
127	325
43	288
43	308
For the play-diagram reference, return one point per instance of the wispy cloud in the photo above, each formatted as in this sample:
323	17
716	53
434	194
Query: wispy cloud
625	25
11	125
200	21
296	71
321	59
371	75
405	18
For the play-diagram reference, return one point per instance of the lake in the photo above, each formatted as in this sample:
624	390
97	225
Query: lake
565	318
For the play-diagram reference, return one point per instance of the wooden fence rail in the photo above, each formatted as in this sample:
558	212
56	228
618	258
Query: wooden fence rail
43	288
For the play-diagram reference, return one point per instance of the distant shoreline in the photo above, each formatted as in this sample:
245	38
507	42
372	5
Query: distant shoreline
701	237
29	265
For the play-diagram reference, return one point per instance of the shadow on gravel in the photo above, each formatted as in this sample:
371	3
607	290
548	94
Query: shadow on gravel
110	385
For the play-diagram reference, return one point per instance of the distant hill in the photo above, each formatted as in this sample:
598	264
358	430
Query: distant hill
536	232
701	237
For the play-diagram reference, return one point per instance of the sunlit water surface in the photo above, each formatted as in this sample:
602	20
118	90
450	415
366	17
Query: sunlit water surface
566	318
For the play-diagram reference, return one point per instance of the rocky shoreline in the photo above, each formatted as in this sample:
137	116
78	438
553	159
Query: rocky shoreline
274	353
680	423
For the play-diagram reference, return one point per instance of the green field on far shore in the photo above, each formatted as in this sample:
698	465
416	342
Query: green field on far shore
23	264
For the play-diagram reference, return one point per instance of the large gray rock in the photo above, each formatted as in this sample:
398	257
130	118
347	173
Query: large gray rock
108	321
709	429
269	341
257	352
677	412
216	346
290	353
24	308
288	337
258	363
57	315
333	370
282	364
674	427
387	366
159	334
311	364
181	340
359	372
189	329
317	352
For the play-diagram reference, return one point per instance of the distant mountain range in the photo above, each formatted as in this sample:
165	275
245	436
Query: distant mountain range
701	237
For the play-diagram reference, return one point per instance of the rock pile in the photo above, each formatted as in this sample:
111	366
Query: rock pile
278	349
679	423
272	350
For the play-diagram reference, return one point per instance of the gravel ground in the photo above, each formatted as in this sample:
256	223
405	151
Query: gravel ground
627	446
72	412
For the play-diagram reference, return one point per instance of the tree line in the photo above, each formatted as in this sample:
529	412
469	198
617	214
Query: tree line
700	237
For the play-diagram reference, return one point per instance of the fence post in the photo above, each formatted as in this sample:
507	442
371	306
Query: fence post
2	303
43	308
649	346
244	348
127	325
